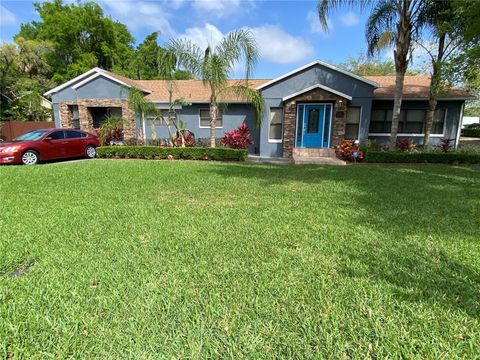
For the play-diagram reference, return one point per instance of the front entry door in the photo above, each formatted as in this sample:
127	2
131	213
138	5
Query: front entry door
314	125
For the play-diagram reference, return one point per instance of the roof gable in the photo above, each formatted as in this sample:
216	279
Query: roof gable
321	63
91	75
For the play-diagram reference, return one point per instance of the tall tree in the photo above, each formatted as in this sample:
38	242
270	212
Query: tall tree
23	78
440	18
214	65
371	66
82	38
391	23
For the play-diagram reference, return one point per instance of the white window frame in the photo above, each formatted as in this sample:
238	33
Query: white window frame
418	135
200	119
274	141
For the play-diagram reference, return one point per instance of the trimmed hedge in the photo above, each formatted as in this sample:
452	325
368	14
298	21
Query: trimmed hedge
158	152
471	132
454	157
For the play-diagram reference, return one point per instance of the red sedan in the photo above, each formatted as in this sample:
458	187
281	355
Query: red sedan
50	144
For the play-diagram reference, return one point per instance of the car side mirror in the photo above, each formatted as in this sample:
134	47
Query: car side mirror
48	138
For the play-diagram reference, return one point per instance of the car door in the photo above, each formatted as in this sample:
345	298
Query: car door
75	145
53	146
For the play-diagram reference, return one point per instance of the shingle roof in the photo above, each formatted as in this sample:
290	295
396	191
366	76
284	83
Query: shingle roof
190	90
414	87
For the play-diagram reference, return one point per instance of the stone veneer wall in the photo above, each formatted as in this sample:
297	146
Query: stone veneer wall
314	96
86	119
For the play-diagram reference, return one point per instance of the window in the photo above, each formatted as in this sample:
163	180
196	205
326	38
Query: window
275	129
381	121
353	123
412	121
205	118
71	134
114	112
438	121
57	135
313	119
76	121
300	124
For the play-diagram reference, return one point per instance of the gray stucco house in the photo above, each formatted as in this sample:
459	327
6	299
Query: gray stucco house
313	107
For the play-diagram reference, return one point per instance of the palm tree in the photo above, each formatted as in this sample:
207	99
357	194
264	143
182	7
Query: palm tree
391	23
443	21
214	65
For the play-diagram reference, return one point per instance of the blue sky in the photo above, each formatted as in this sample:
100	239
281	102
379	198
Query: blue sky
288	32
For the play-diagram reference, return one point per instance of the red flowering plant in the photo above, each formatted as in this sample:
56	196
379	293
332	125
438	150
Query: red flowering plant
237	139
404	145
111	131
347	150
187	136
445	144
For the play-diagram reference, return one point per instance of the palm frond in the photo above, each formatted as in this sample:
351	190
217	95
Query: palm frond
327	7
136	100
238	45
380	28
242	91
187	54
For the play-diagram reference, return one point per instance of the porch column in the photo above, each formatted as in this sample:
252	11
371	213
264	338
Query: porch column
129	129
66	116
85	118
289	124
339	122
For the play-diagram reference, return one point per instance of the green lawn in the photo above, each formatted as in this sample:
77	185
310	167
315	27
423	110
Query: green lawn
138	259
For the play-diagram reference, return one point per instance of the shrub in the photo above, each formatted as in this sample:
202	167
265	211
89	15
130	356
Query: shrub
404	145
445	144
375	145
157	152
111	131
472	130
453	157
346	151
189	139
238	139
205	142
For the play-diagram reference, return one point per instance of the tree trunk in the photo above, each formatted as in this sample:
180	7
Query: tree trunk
397	105
402	47
213	121
434	89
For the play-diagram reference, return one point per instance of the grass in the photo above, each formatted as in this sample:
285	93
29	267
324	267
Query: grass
138	259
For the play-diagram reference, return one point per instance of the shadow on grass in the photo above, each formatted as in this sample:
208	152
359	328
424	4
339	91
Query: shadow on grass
417	210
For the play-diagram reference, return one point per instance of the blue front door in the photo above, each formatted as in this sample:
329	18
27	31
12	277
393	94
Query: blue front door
313	125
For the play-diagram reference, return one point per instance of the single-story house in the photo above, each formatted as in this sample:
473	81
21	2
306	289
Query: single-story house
315	106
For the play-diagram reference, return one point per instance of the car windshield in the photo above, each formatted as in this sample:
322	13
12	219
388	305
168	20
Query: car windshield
32	135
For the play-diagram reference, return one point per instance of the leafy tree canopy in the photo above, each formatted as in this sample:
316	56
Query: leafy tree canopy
371	66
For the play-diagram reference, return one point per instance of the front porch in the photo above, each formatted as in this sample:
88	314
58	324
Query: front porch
89	115
326	130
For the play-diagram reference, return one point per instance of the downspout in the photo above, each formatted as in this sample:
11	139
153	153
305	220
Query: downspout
460	121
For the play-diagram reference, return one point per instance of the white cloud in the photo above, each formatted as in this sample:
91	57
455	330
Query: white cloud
278	46
221	8
7	18
315	26
203	36
349	19
141	14
275	45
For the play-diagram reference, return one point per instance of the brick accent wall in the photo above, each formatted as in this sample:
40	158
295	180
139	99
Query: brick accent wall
85	115
339	117
66	115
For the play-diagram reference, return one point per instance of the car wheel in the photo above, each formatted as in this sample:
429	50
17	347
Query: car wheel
30	157
90	152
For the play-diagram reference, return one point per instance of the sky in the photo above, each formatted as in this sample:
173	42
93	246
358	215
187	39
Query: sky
288	33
